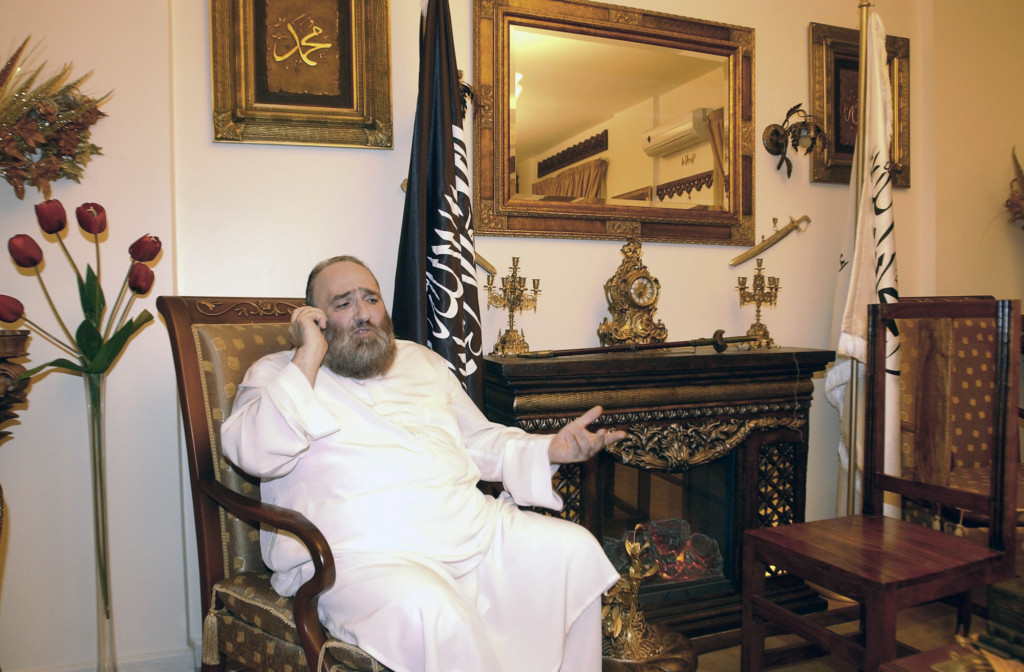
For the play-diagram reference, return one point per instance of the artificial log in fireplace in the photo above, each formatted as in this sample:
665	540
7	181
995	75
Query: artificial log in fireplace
717	443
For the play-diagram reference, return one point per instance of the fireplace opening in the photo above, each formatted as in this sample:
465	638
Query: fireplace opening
692	521
757	485
679	553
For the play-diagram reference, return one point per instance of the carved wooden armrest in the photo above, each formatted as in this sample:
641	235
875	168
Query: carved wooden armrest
307	622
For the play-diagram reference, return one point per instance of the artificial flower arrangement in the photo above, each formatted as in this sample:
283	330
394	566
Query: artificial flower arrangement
44	125
94	344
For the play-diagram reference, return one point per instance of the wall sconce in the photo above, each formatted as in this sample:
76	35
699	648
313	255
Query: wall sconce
802	134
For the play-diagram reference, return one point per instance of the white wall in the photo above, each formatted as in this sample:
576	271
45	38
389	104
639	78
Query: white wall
252	219
47	594
978	117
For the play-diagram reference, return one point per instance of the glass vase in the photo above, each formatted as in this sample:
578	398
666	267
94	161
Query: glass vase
95	389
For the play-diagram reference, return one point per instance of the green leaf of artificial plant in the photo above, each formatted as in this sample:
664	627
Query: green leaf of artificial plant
59	363
89	340
115	344
91	295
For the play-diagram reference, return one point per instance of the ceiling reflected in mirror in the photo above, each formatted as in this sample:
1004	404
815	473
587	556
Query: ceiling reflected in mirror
650	102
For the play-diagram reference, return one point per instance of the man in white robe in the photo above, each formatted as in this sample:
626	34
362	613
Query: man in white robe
375	441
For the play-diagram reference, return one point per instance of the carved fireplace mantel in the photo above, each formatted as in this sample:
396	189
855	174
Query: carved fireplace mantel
725	432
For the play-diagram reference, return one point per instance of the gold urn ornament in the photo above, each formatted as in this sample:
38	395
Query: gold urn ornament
632	295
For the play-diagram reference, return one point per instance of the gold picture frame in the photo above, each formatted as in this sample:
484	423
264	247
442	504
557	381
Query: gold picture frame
834	58
302	72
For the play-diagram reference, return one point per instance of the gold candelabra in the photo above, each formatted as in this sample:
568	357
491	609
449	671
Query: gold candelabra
515	297
761	293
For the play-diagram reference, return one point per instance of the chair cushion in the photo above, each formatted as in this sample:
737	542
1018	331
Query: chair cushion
252	609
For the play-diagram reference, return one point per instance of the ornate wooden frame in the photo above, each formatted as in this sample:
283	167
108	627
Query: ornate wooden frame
251	98
835	52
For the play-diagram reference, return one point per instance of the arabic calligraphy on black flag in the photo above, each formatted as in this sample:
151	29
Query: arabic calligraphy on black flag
436	299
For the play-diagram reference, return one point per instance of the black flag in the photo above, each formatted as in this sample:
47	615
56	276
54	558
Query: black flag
436	299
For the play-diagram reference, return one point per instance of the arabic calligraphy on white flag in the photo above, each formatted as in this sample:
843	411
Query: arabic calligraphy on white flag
870	247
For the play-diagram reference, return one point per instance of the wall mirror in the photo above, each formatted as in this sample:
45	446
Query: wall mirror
597	121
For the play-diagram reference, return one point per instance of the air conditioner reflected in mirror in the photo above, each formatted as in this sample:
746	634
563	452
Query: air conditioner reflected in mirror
678	134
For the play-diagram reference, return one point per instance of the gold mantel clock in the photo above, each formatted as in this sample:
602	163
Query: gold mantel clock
632	295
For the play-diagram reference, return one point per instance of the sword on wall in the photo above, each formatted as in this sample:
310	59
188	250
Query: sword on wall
794	225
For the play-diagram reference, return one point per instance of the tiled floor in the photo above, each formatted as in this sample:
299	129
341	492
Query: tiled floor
924	628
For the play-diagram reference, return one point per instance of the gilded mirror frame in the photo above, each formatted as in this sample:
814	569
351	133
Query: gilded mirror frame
496	214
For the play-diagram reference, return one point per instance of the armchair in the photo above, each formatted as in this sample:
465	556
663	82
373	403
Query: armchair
247	625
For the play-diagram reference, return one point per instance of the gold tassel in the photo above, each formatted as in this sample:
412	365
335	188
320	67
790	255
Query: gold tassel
211	645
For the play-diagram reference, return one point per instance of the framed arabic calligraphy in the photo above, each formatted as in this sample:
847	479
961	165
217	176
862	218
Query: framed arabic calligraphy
302	72
834	63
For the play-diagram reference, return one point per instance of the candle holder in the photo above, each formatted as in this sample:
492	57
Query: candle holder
763	291
514	297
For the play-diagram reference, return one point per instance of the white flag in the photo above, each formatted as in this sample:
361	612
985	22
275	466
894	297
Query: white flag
870	274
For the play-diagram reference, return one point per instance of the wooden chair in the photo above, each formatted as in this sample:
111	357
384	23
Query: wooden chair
247	625
887	564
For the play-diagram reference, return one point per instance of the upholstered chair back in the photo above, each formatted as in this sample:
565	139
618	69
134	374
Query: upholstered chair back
964	348
226	352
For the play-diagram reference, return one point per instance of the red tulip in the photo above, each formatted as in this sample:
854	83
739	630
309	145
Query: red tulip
140	278
25	251
145	248
11	309
51	216
92	218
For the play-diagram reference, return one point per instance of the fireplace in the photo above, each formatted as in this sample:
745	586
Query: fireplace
717	443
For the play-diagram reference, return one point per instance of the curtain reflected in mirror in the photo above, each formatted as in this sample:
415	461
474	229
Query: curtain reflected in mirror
586	181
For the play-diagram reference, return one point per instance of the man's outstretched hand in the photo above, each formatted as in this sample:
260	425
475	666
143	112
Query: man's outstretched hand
576	443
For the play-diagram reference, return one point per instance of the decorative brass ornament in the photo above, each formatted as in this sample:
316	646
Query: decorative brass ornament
632	295
630	643
759	294
514	297
802	134
677	447
626	634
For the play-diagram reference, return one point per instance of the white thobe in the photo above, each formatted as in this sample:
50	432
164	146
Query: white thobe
432	575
